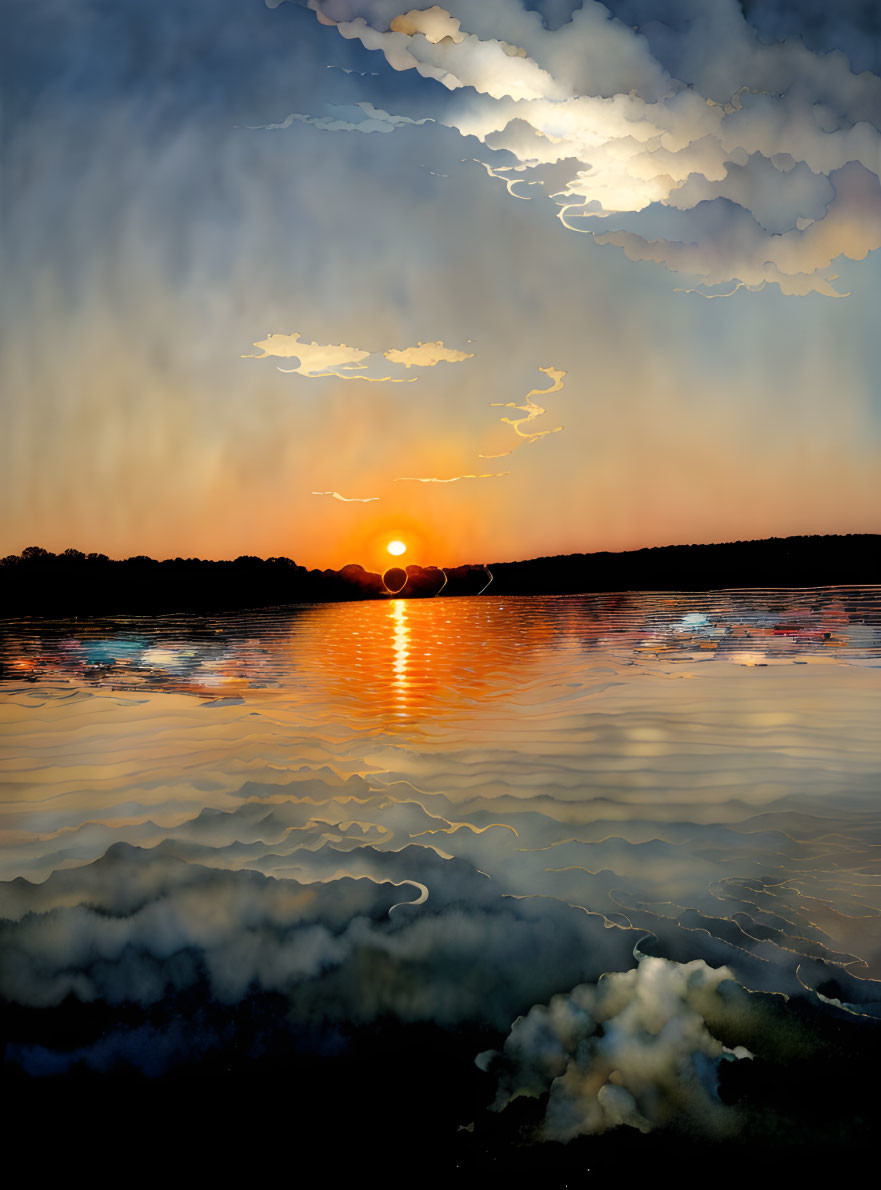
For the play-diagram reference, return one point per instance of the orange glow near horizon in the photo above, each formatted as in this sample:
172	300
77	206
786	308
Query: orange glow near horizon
369	542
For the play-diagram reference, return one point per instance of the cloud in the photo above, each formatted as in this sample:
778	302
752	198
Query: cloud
364	74
318	360
771	193
417	936
426	355
531	411
315	358
452	479
634	1050
433	23
348	499
359	117
679	113
797	261
496	67
356	376
510	183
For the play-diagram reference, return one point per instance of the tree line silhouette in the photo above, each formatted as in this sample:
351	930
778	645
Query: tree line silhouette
37	582
813	561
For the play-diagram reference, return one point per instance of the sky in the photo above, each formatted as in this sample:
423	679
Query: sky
498	280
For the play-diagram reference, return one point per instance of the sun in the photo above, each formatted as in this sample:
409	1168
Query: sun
396	547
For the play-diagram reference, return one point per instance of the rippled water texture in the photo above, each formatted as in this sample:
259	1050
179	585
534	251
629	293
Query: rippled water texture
502	797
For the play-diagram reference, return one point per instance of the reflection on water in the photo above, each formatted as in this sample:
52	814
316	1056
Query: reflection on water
460	785
428	649
402	639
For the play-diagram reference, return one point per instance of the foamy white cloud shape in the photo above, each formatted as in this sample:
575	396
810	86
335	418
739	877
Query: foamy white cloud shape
344	362
314	358
434	23
426	355
632	1049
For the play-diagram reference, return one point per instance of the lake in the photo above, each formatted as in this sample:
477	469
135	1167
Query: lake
579	872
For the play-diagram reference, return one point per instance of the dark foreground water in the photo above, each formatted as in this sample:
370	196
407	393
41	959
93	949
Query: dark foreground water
517	888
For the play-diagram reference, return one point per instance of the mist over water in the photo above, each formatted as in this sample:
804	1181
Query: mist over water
611	838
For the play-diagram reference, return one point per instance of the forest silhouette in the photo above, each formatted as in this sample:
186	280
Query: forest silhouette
73	583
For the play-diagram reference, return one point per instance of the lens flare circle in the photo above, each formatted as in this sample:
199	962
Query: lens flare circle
397	548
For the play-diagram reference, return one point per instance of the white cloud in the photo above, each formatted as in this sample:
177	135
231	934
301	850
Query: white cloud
434	23
489	66
426	355
633	1049
315	358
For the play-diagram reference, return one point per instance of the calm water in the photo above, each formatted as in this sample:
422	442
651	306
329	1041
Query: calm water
469	806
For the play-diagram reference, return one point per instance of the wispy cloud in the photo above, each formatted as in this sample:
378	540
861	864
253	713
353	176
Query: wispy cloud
499	173
364	74
452	479
348	499
354	376
530	412
357	117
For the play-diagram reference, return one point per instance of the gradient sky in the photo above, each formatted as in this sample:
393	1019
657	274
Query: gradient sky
260	256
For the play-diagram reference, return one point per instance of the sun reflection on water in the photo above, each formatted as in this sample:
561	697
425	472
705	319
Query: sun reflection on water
401	650
422	664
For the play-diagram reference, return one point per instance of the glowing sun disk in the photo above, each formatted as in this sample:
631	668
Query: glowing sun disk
396	548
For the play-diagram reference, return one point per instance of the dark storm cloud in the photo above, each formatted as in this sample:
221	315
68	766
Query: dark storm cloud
852	26
137	926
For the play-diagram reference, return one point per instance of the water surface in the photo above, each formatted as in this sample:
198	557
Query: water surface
449	812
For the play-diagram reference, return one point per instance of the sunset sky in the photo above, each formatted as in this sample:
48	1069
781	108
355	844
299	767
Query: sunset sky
277	273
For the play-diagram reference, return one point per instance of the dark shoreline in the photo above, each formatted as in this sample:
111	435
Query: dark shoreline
38	583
